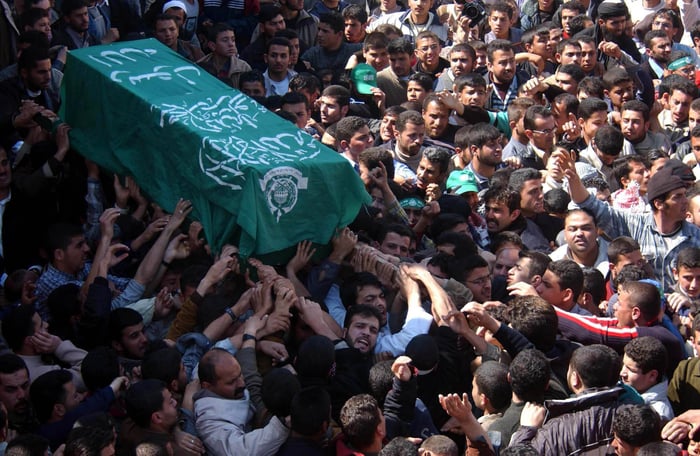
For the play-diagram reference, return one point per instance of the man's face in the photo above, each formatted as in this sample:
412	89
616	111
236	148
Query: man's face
544	133
640	174
634	127
566	82
505	260
229	382
39	77
428	51
689	280
400	64
277	59
589	56
362	333
555	37
593	123
269	28
435	118
410	139
693	215
387	127
360	140
5	171
623	448
631	374
660	49
693	118
78	19
415	92
570	54
550	290
665	24
613	27
167	32
623	310
679	104
327	38
634	257
532	198
503	66
179	14
134	341
299	110
253	88
580	233
43	25
498	217
395	244
294	55
413	216
479	283
460	63
695	147
481	58
620	93
676	205
566	16
225	44
294	5
473	96
373	296
428	173
520	272
378	58
540	46
14	391
75	254
490	153
354	31
73	397
419	8
500	24
168	412
331	111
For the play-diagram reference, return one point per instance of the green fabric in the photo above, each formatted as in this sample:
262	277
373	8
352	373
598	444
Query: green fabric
139	109
500	120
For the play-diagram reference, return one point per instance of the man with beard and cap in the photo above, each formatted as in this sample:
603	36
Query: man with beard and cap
226	405
610	30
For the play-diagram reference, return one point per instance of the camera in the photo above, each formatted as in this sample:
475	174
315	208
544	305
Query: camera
475	11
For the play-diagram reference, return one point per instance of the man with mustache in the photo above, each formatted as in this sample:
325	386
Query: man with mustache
224	409
582	242
14	392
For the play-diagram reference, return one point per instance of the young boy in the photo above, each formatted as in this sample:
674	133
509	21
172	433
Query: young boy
491	391
223	61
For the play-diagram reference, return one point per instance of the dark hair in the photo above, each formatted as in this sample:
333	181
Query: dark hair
689	258
503	195
516	109
30	17
355	12
659	449
563	44
163	364
520	176
11	363
520	449
538	261
574	5
399	446
363	310
460	268
438	155
348	126
440	444
422	79
278	388
616	76
407	117
278	41
122	318
60	234
334	20
398	228
474	80
251	76
533	113
652	34
594	284
304	81
268	11
372	156
597	365
590	106
492	379
315	358
592	86
498	45
47	390
350	286
637	424
400	46
381	379
529	36
28	444
359	419
18	325
649	354
295	98
504	238
645	296
529	375
375	40
482	133
143	399
535	319
309	409
216	29
501	7
339	93
99	368
569	275
609	140
573	70
619	246
34	38
463	47
636	105
88	440
630	273
682	85
68	6
463	245
556	201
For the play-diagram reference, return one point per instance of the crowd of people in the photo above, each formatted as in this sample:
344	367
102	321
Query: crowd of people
525	280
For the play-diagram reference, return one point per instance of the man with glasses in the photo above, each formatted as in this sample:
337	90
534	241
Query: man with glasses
540	129
667	20
428	54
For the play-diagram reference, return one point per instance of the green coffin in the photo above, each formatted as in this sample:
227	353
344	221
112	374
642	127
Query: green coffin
139	109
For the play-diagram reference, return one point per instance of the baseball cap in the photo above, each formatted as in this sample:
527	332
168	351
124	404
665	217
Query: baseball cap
462	181
365	77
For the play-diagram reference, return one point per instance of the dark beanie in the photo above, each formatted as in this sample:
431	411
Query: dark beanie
661	183
423	352
611	8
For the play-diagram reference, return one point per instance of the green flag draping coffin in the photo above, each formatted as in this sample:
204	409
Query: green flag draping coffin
139	109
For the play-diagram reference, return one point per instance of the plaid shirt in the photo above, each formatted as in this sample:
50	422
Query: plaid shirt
660	251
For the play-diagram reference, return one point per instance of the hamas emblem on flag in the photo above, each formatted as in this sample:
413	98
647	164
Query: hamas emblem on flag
281	186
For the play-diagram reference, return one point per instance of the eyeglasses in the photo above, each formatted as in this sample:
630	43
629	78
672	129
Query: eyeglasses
547	132
481	281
